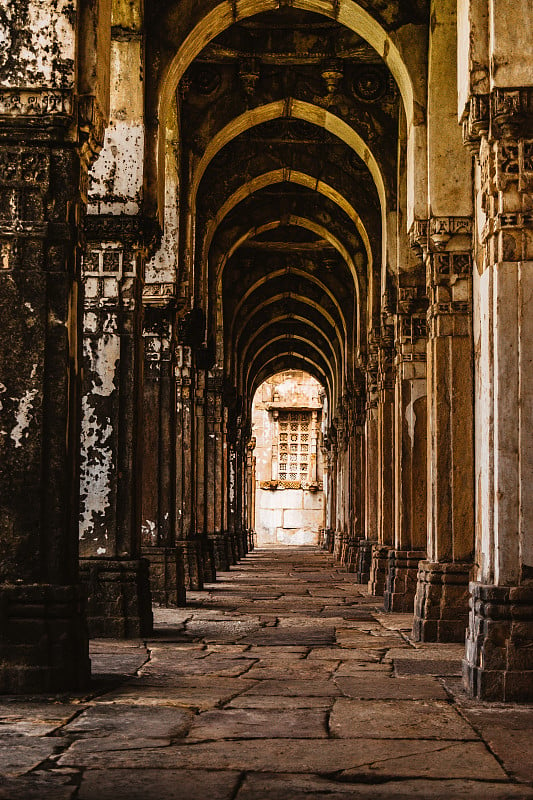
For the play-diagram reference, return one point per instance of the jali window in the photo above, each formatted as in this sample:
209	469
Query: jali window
294	445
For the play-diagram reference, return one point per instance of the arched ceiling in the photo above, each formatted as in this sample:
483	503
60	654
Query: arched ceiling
289	143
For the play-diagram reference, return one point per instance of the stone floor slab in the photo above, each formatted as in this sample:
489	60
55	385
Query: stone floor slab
376	687
364	758
256	723
20	754
188	693
314	787
291	688
172	784
508	732
108	720
398	719
38	786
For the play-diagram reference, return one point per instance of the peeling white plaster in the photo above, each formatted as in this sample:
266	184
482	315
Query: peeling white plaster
48	30
23	416
101	551
3	390
418	390
96	468
29	307
118	171
103	355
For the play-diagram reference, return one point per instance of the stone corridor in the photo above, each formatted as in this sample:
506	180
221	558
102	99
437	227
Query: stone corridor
282	680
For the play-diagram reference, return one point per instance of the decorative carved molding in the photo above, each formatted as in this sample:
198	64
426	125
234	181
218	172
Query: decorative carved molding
159	295
476	120
442	229
41	102
506	185
503	112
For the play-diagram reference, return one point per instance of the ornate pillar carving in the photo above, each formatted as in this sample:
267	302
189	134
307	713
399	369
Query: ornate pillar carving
441	602
158	531
116	578
410	463
186	538
215	496
330	444
385	499
364	550
498	661
44	159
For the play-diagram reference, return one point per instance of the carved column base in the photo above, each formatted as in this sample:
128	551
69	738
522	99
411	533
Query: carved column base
44	644
207	549
221	550
240	539
364	560
378	569
251	540
338	545
441	602
402	578
328	539
167	578
350	555
498	663
119	604
193	566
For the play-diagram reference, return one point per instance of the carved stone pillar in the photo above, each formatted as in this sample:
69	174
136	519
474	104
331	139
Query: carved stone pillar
200	455
409	451
498	661
385	499
333	488
241	533
116	578
215	485
250	494
364	549
186	539
340	493
441	602
158	532
43	641
358	481
231	484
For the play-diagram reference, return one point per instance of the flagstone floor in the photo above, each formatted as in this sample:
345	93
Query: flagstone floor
282	681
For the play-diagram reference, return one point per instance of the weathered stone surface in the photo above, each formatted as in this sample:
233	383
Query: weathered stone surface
201	693
280	702
172	784
299	787
291	688
376	687
20	754
370	757
508	733
109	720
38	786
258	724
397	719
